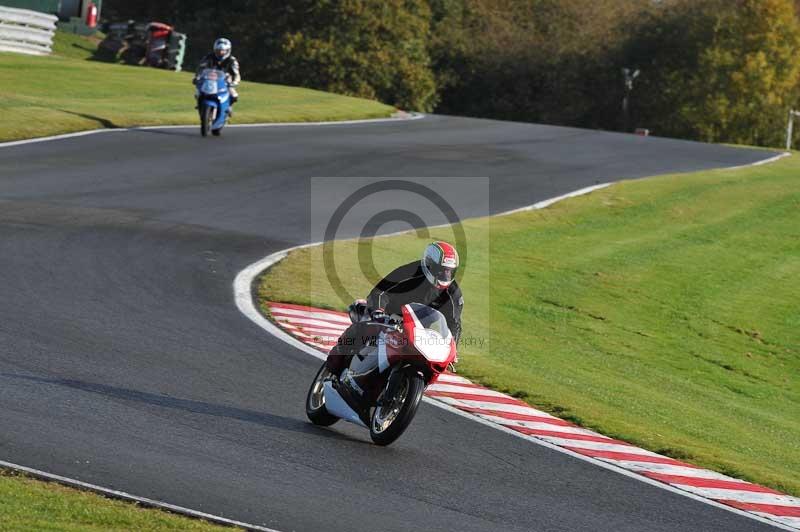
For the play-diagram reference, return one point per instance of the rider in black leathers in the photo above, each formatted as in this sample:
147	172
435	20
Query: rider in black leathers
222	59
416	282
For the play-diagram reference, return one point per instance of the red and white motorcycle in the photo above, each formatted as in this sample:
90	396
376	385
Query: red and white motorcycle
384	382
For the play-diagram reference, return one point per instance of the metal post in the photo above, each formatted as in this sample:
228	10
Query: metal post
790	128
629	75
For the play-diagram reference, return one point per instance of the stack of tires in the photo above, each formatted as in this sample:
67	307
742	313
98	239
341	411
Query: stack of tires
151	44
176	51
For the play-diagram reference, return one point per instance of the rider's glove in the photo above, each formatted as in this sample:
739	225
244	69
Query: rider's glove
357	310
379	315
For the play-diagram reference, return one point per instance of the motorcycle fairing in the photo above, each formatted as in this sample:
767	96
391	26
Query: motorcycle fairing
430	342
336	405
383	357
213	91
427	329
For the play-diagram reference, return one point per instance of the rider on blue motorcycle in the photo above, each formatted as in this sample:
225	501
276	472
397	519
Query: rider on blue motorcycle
222	59
430	281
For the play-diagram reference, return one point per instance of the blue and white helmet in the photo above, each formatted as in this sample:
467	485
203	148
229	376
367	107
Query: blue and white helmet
222	49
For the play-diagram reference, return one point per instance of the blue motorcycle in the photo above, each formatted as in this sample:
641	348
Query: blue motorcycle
213	101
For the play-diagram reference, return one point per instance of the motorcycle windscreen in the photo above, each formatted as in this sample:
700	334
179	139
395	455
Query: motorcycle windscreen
432	337
210	80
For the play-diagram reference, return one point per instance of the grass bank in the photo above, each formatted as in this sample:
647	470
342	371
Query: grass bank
69	92
27	504
663	312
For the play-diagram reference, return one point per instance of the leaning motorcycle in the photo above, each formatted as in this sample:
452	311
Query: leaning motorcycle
383	385
213	101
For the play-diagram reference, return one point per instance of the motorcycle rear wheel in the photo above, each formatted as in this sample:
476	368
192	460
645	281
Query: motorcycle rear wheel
390	420
315	400
206	119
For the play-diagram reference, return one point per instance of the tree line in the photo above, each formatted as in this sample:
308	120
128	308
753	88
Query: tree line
711	70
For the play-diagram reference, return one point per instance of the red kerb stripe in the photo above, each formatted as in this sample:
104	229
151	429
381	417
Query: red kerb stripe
291	318
517	417
710	483
568	435
614	455
463	385
306	309
482	398
774	509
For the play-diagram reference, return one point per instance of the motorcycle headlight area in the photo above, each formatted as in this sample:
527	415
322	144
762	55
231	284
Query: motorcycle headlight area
210	87
432	345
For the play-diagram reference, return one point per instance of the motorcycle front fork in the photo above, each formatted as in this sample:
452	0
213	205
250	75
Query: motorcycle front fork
391	386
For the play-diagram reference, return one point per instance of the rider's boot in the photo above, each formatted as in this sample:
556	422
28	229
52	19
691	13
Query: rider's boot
234	99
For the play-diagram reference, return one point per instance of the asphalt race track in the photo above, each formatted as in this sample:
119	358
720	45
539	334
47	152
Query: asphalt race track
124	361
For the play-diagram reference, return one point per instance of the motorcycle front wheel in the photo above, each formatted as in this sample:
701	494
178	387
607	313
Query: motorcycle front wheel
206	119
315	400
391	419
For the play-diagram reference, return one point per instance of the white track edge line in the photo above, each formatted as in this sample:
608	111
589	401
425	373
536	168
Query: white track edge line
243	295
580	192
536	206
551	201
762	162
409	117
242	292
144	501
12	143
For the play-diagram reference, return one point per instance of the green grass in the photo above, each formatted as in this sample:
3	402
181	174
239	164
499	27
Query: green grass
67	92
75	46
27	504
665	312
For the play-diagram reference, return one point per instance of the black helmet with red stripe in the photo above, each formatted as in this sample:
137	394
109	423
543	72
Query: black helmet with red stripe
439	264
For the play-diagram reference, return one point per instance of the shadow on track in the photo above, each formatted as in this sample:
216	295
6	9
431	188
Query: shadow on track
177	132
187	405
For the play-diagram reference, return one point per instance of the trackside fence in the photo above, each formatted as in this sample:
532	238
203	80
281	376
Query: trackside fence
26	32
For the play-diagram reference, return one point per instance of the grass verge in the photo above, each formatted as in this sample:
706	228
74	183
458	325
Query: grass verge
662	311
27	504
69	92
